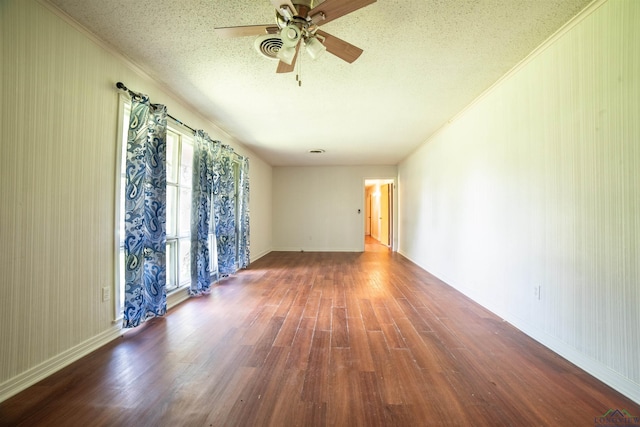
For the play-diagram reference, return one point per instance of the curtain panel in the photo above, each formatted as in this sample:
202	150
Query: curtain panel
145	213
220	188
224	211
243	244
204	155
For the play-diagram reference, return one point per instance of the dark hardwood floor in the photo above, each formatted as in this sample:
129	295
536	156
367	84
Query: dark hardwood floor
315	339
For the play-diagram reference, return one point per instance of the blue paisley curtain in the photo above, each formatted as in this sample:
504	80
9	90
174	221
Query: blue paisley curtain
224	211
220	185
202	189
243	244
145	213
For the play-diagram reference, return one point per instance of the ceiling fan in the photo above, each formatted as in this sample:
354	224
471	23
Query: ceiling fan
298	22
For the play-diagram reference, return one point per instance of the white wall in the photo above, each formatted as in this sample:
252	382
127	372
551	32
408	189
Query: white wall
260	207
536	185
316	208
58	118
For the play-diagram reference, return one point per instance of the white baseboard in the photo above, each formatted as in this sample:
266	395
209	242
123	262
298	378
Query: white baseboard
254	258
177	297
298	249
28	378
591	366
594	368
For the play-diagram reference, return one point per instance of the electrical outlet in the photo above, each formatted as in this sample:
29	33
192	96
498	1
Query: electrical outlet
106	294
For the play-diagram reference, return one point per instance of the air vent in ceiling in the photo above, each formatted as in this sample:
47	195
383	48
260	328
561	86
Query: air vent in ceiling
268	45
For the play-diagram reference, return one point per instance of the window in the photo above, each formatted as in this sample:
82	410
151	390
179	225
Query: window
179	171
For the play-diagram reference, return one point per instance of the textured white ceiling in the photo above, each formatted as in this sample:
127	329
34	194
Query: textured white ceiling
423	61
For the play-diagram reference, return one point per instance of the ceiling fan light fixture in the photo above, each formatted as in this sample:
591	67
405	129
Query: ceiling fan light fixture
290	35
314	47
286	54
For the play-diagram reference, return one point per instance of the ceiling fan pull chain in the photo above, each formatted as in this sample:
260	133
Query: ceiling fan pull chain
299	73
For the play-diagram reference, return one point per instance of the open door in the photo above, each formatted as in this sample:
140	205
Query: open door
378	221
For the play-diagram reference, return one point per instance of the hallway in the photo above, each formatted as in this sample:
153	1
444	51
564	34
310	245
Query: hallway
372	245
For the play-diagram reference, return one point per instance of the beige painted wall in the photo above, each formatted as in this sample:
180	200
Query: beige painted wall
316	208
58	118
529	201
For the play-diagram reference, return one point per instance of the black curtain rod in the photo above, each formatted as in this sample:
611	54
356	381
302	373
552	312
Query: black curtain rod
121	86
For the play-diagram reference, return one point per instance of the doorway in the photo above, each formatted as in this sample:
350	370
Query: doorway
378	227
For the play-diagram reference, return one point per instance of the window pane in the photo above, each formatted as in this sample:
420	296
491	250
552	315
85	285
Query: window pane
184	215
172	156
186	163
185	261
172	282
213	254
172	202
212	224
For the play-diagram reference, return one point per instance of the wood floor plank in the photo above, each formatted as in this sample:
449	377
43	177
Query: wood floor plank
264	344
318	339
313	304
381	311
301	345
345	406
370	396
290	326
324	314
368	315
303	293
392	336
315	387
360	350
414	317
286	303
420	396
252	332
422	353
339	295
339	327
352	303
389	383
258	392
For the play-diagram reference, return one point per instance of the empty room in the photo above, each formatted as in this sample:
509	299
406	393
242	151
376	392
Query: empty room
314	213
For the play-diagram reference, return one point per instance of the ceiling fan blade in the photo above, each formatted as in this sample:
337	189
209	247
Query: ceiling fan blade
278	3
334	9
340	48
283	67
246	30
